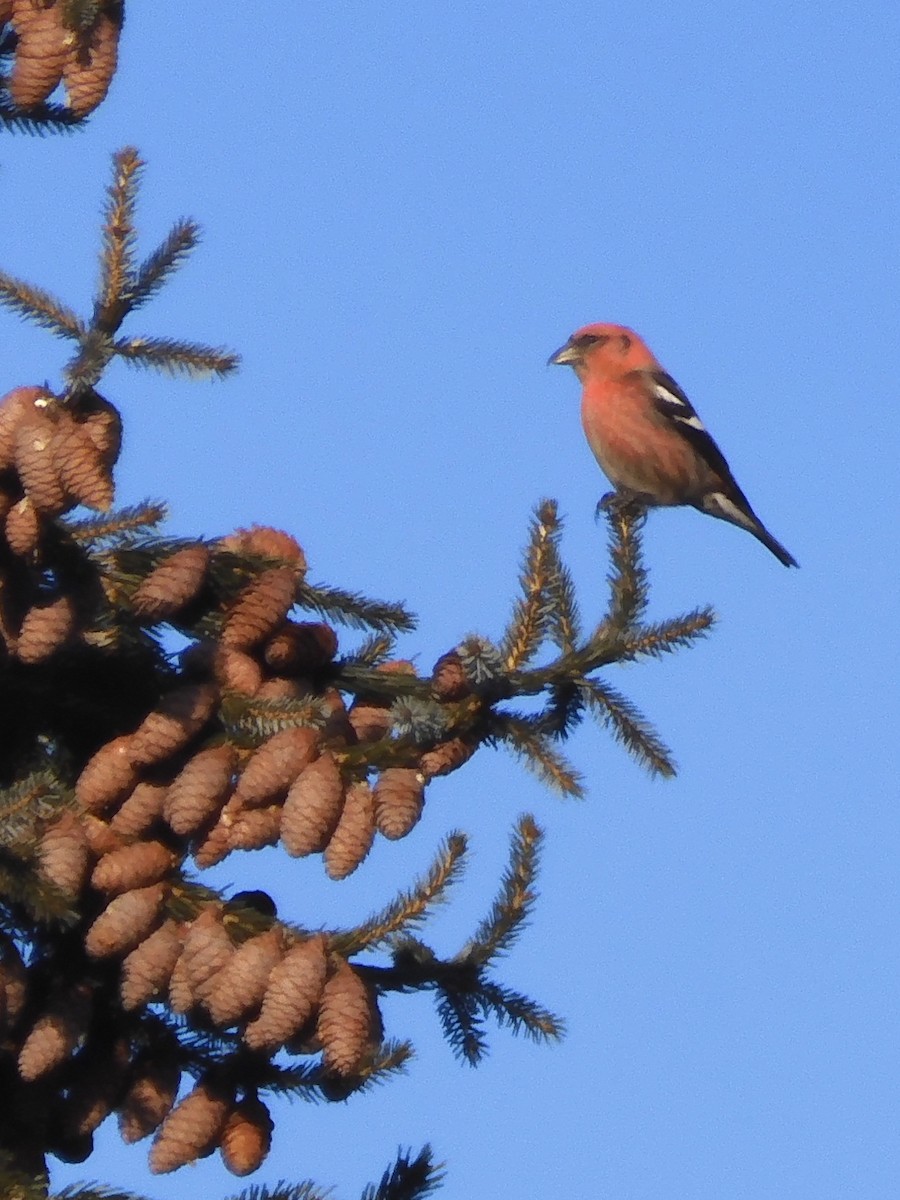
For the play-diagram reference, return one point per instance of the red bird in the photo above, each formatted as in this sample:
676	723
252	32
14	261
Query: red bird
645	433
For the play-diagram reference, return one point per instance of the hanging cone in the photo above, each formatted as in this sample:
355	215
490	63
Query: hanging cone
354	833
100	420
197	793
84	475
267	543
35	464
172	584
64	855
91	64
345	1019
240	986
449	680
56	1033
101	839
16	408
125	922
179	718
40	54
150	1095
235	671
23	528
275	765
260	608
279	688
255	828
446	757
399	800
247	1137
139	811
146	971
44	629
134	866
109	776
369	720
215	846
207	948
292	995
192	1128
313	807
301	647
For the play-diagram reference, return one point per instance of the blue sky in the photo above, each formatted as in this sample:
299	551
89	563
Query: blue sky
406	207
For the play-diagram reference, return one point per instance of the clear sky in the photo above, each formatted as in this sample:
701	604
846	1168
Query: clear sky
406	208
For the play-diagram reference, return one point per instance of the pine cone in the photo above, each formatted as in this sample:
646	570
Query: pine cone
399	800
6	7
44	629
134	866
83	473
215	846
292	995
354	833
260	608
56	1033
100	1071
17	407
146	971
207	948
171	585
179	718
267	543
279	688
313	807
236	671
192	1128
23	528
241	984
247	1137
301	647
140	811
446	757
101	837
90	66
255	828
275	765
101	422
40	54
63	854
35	464
150	1095
370	720
125	921
345	1019
449	680
109	776
197	793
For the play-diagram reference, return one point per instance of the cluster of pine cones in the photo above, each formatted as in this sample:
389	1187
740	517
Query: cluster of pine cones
73	42
186	782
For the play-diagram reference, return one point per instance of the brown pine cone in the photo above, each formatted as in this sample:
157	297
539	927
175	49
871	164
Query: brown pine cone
446	757
345	1022
179	718
171	585
139	811
101	837
279	688
40	54
192	1128
126	921
207	948
236	671
146	971
275	765
107	777
354	833
6	7
399	800
369	719
240	986
64	855
267	543
91	64
56	1033
260	608
45	628
150	1095
255	828
313	807
23	528
301	647
214	846
448	678
292	995
247	1137
35	463
83	473
100	1071
16	407
197	793
134	866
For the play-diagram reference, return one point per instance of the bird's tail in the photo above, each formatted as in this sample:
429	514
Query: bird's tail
717	504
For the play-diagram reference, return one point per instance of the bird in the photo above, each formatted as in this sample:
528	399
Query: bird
646	435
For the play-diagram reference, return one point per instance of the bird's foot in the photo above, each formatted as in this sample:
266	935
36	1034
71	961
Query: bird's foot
623	502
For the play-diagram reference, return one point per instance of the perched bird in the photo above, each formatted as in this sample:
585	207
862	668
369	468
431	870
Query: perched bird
645	433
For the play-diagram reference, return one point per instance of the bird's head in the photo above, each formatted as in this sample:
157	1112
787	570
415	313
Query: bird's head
595	344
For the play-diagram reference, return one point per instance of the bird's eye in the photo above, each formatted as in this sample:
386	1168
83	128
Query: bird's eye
589	339
625	340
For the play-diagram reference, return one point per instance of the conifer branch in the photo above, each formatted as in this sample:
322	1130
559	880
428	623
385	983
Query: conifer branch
114	297
667	636
39	306
524	736
513	905
155	270
411	907
531	613
175	357
135	520
355	610
630	727
409	1178
284	1191
41	120
515	1011
629	588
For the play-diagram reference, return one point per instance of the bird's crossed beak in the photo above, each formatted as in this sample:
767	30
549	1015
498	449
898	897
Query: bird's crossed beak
565	355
